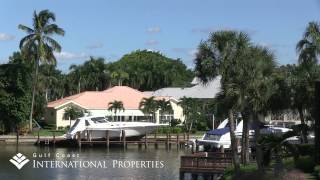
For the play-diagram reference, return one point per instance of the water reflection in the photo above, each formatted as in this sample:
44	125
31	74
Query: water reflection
171	160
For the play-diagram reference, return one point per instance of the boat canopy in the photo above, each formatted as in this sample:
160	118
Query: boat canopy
219	131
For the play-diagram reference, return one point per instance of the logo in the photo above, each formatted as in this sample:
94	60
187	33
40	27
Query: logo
19	160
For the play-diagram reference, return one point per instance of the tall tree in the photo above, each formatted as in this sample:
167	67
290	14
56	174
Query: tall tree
116	106
222	55
149	106
309	46
39	45
164	107
190	108
72	113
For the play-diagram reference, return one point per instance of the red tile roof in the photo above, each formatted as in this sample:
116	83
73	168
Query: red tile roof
100	99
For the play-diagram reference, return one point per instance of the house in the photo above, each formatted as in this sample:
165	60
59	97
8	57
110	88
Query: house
211	89
198	90
97	103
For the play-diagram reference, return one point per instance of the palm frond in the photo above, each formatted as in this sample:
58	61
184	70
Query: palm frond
26	29
53	43
53	29
26	40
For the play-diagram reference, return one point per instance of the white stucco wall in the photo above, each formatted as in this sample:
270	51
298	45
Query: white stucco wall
56	115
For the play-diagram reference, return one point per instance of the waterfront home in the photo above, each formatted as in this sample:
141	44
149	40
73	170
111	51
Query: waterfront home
97	103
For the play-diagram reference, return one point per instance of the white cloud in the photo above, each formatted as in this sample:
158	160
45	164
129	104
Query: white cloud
153	29
207	30
6	37
152	42
70	56
96	45
203	30
191	52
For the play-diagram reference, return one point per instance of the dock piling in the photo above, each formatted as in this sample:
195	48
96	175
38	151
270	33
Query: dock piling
145	141
107	139
124	139
79	139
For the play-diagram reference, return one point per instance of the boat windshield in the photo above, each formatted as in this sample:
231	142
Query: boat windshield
99	120
74	125
212	137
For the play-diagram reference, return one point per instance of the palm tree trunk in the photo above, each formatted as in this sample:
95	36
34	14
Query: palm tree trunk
259	153
33	93
303	123
234	148
79	86
46	94
316	116
190	128
245	139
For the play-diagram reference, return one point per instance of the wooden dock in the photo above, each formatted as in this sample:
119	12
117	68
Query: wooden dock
210	165
169	140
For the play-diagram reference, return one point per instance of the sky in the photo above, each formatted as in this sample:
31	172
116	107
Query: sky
112	28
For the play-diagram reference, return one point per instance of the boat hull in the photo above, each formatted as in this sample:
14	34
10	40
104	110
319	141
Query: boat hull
115	133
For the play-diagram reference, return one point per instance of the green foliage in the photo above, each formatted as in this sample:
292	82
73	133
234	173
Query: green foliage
72	113
305	149
317	171
173	130
116	106
15	95
149	106
175	122
305	163
151	70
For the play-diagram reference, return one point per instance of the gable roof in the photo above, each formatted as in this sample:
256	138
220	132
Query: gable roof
199	90
100	99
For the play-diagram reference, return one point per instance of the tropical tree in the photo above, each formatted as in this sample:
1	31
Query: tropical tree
222	55
309	46
190	108
309	50
148	70
76	75
39	45
119	77
116	106
149	106
14	96
164	107
72	113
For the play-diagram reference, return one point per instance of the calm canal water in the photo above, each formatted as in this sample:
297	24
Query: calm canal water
170	160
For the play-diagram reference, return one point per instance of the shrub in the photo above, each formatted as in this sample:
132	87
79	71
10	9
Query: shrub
305	149
176	130
305	163
175	122
317	171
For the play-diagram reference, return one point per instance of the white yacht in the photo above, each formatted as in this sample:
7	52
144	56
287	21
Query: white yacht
98	126
220	137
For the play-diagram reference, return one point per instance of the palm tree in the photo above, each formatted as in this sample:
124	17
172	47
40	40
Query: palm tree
222	55
190	108
302	81
72	113
165	107
149	106
39	46
309	47
76	75
259	90
116	106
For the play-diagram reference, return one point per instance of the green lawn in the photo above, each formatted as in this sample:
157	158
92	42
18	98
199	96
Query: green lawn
49	132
